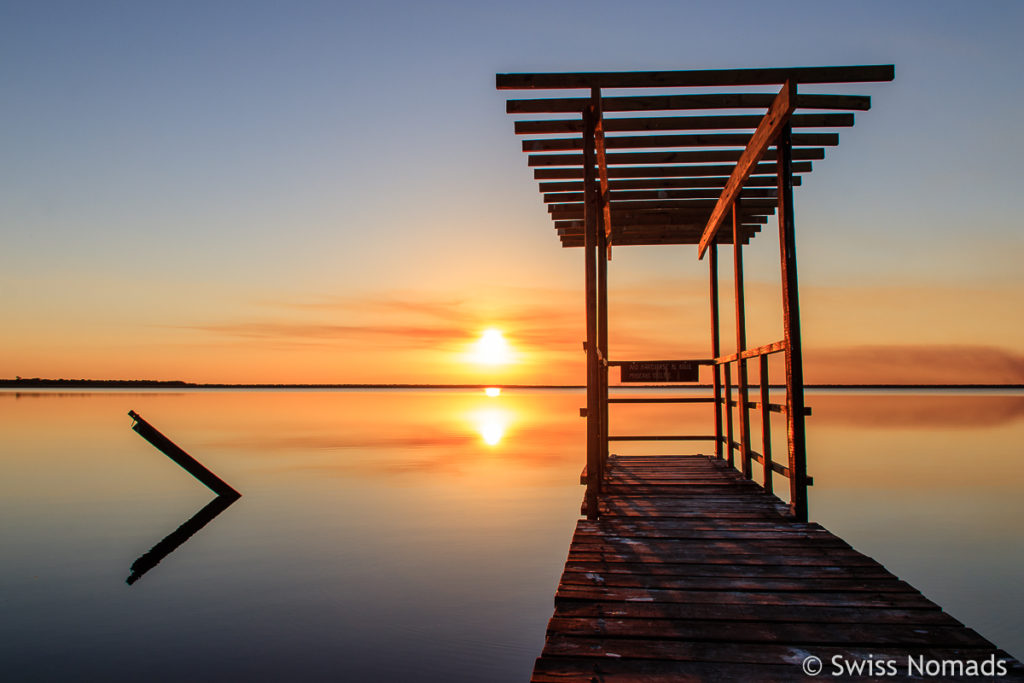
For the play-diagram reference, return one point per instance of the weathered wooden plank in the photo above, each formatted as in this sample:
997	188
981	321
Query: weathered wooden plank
781	598
762	652
661	184
619	669
812	633
616	670
779	111
568	105
669	157
733	583
633	195
761	613
692	140
703	204
694	78
616	556
663	171
665	123
718	570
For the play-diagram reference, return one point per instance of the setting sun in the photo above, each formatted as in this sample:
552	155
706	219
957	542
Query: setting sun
492	348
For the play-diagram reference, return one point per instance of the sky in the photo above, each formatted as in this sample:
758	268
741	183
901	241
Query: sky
332	192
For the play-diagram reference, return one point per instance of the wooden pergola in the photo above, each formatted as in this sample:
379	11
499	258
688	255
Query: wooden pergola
648	176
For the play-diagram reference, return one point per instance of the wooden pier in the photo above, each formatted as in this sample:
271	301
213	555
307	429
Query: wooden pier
693	572
689	567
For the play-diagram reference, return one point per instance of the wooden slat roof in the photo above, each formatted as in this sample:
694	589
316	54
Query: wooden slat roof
664	183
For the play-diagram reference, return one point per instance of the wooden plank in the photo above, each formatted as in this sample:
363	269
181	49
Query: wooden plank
753	215
754	206
815	633
697	156
767	131
559	645
632	195
774	347
778	598
693	569
666	123
701	170
733	583
694	78
761	613
692	140
663	184
616	670
568	105
677	399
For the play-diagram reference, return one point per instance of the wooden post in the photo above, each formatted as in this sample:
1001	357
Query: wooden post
603	230
590	267
791	325
741	343
729	457
186	461
716	370
766	426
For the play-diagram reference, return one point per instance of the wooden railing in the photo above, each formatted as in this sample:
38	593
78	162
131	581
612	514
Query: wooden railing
727	446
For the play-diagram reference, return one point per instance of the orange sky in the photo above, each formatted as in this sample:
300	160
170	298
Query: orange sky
183	202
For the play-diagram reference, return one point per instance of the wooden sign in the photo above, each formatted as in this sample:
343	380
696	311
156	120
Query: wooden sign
659	371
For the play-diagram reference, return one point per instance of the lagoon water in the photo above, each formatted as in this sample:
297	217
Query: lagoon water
419	534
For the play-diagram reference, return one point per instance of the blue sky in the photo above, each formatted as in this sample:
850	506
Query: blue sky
176	171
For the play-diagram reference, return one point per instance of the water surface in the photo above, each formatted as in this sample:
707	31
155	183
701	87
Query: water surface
419	534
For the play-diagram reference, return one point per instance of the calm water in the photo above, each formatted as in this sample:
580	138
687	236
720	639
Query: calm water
419	535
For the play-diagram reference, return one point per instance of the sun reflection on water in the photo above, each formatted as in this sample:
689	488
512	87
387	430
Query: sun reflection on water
491	424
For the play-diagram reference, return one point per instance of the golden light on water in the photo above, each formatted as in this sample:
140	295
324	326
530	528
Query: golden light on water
492	391
491	424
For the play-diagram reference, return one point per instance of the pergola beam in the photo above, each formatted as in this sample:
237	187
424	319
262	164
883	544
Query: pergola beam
661	123
669	157
692	140
659	183
663	171
693	78
768	130
567	105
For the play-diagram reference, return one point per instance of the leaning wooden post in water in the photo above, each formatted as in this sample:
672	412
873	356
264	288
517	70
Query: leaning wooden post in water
175	453
590	223
741	343
716	370
791	326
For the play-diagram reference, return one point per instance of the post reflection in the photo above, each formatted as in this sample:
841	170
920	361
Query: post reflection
184	532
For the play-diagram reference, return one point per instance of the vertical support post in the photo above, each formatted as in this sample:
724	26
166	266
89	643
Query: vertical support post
603	230
729	456
590	223
741	344
766	427
716	350
791	325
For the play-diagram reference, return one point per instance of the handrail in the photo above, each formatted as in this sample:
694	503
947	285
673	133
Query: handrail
774	347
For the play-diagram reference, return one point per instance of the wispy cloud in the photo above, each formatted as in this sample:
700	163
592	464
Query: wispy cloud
921	363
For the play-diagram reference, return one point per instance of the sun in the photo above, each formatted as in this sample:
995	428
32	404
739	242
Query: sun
492	348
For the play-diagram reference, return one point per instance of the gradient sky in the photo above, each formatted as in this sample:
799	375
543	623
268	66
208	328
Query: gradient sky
332	192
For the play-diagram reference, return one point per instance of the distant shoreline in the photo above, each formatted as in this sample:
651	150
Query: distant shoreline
39	383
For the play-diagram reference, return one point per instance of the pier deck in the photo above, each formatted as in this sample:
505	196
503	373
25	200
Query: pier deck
693	572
